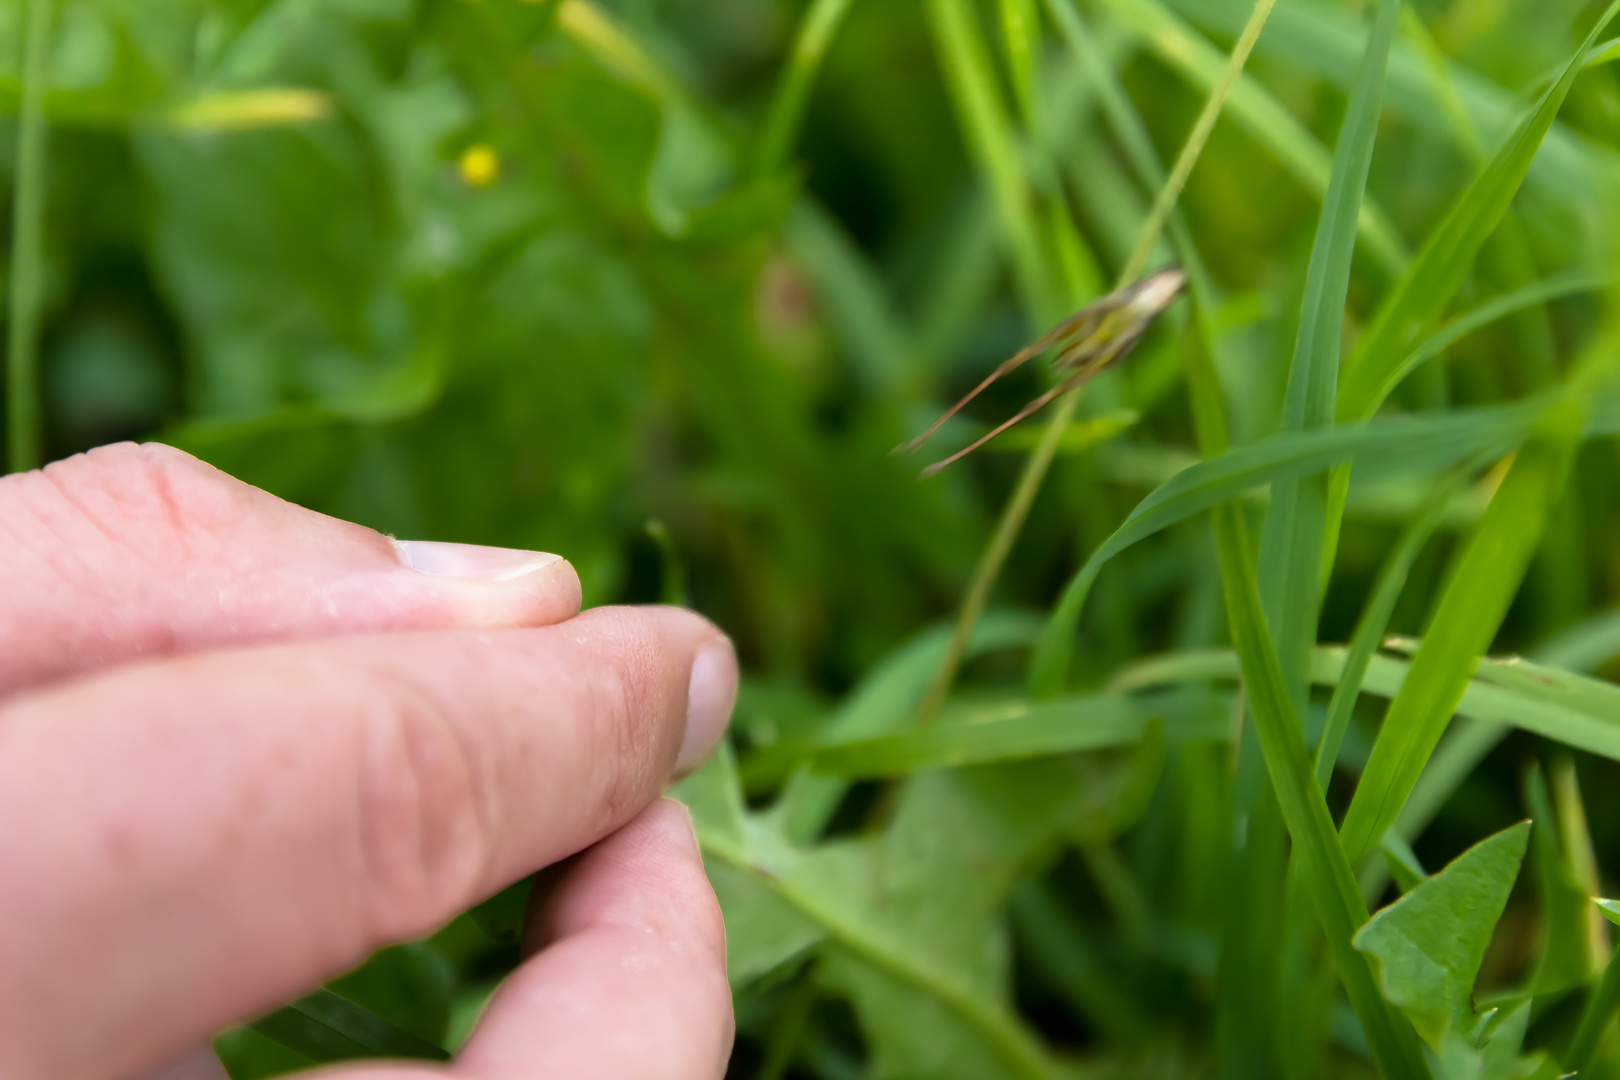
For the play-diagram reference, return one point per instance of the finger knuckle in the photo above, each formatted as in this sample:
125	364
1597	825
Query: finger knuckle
426	825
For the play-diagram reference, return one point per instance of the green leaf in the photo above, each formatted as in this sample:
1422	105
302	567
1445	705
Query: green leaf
324	1026
1291	539
917	961
1326	872
1430	943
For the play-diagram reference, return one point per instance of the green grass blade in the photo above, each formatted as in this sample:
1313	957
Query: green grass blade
27	251
885	701
324	1026
1291	541
982	117
1521	299
1562	706
817	28
1600	1009
1012	731
1407	443
1325	871
1370	630
1586	646
1417	299
1469	611
1260	114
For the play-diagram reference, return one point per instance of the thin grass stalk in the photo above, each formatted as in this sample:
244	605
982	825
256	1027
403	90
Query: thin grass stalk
815	34
1029	482
27	253
1194	146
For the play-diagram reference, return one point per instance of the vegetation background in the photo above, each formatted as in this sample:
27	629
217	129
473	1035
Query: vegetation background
658	284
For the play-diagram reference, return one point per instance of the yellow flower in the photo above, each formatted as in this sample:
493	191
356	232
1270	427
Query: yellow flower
479	165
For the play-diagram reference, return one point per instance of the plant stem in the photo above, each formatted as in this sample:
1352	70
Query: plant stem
1023	497
1194	146
28	211
990	563
816	31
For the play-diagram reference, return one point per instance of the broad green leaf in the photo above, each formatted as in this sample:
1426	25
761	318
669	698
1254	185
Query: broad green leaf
918	962
1430	943
1327	875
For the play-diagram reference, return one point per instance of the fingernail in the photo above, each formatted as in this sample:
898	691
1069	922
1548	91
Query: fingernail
471	560
709	697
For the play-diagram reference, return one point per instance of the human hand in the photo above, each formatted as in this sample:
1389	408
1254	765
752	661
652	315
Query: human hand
243	744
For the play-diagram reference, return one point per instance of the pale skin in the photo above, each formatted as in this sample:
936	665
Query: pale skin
242	745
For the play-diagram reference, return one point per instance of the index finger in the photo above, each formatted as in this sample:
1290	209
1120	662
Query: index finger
200	838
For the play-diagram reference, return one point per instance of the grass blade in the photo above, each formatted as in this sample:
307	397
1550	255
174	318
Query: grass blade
1260	114
1370	630
1439	268
982	117
1291	541
1325	870
1464	622
815	34
1406	443
27	252
324	1026
1562	706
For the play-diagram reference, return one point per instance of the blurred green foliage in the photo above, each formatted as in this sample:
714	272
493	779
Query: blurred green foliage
657	284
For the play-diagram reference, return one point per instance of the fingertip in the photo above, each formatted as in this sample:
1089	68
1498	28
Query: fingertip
493	587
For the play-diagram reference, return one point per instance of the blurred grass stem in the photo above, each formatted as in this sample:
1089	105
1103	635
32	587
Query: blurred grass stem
1029	482
816	32
27	226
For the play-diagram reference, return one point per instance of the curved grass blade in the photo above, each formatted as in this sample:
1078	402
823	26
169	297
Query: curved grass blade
1325	870
1014	731
1260	114
1409	443
1439	268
